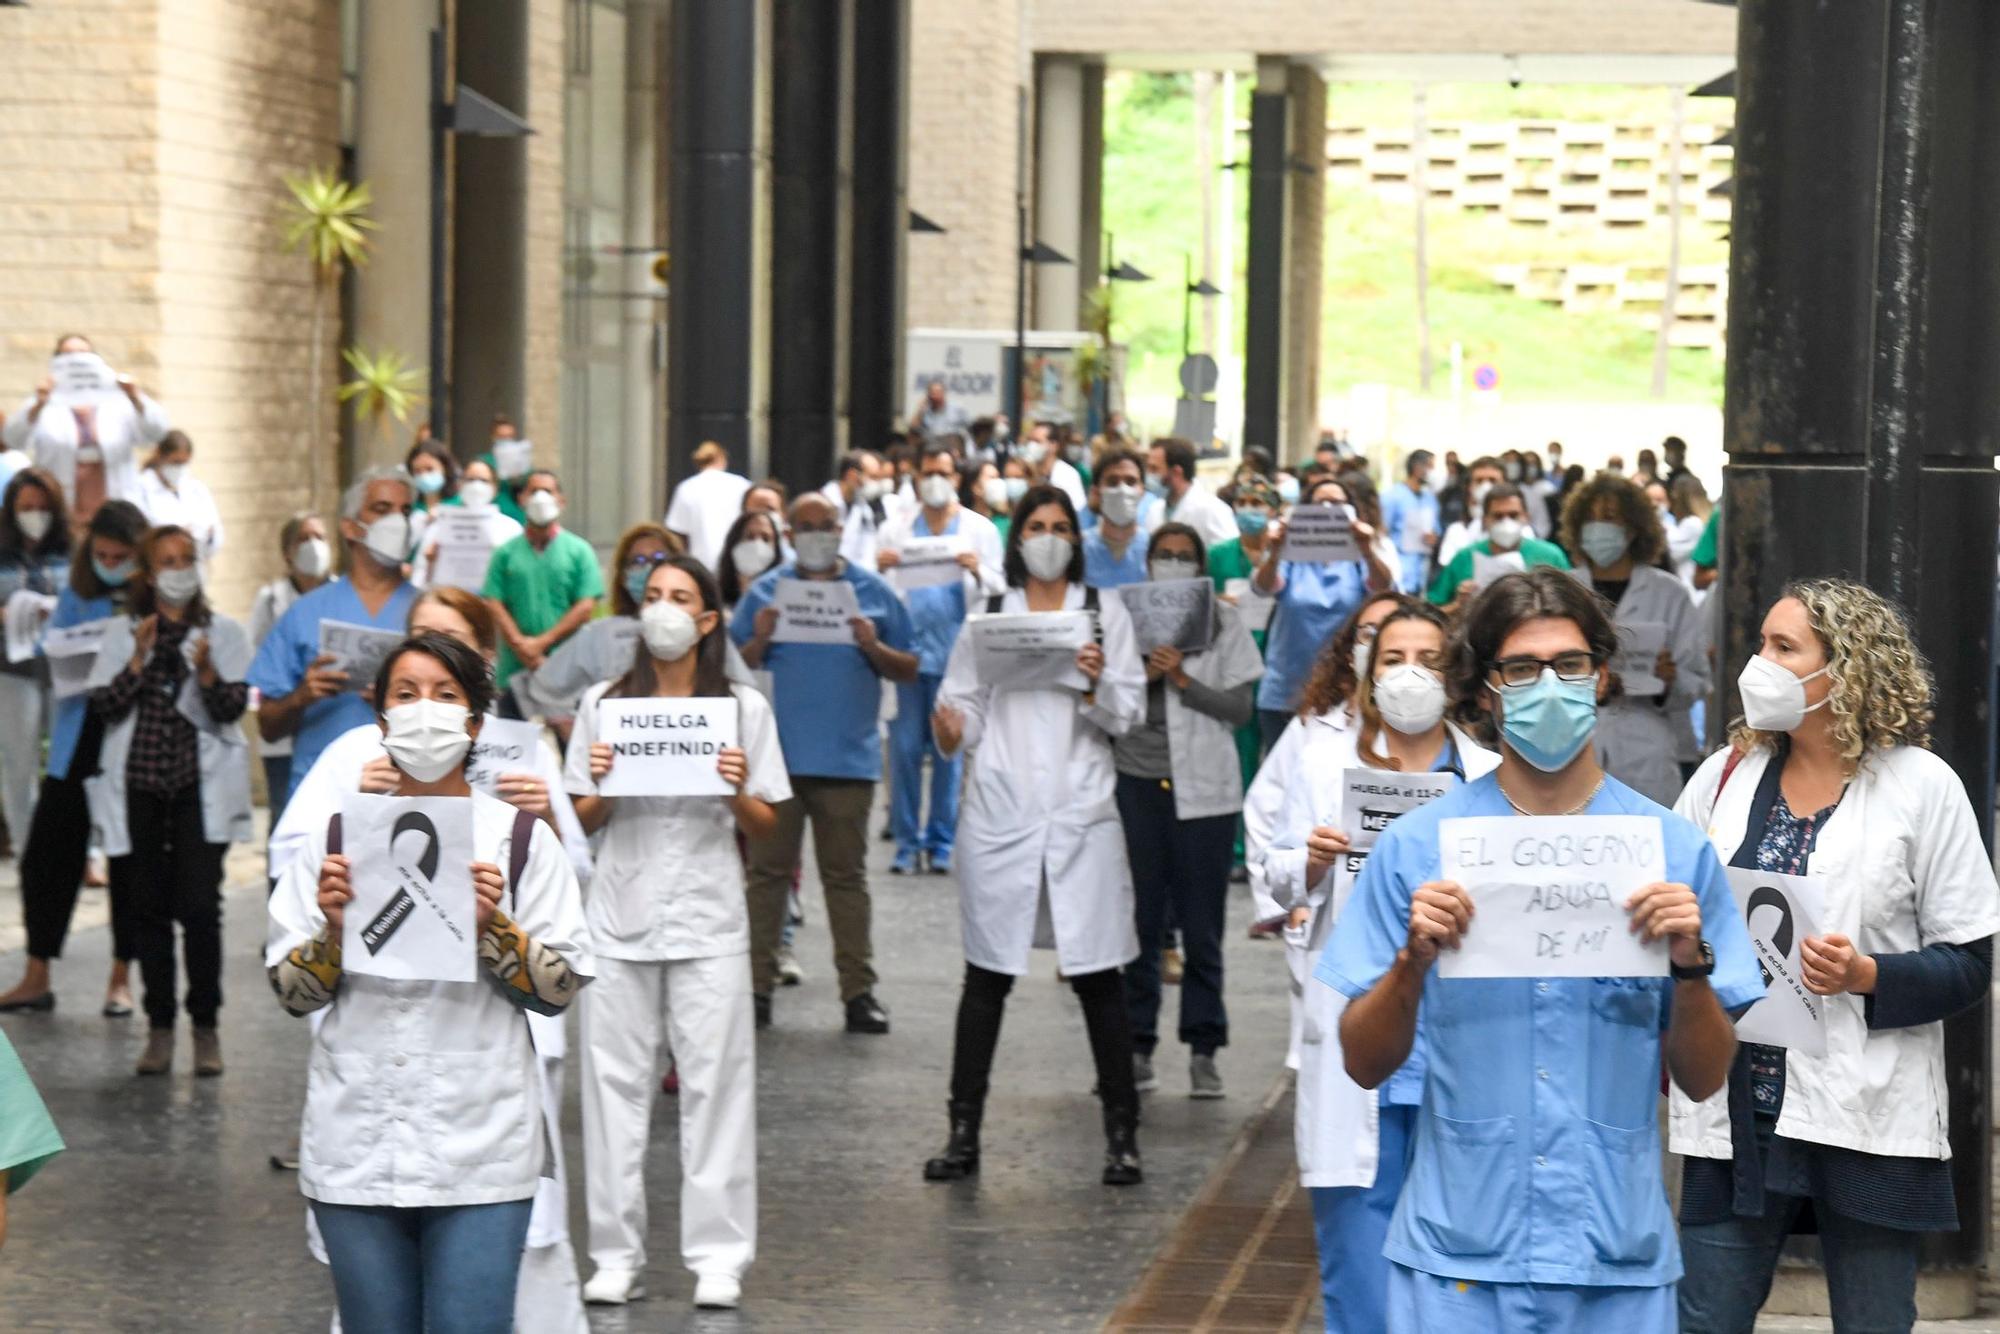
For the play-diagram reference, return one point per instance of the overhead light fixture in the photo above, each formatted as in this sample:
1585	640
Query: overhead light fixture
920	223
1043	253
1204	288
1722	85
1125	273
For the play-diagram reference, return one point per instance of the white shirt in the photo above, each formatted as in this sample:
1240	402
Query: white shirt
500	530
703	507
669	882
272	601
1457	537
1065	478
1205	512
51	440
425	1094
1902	867
191	506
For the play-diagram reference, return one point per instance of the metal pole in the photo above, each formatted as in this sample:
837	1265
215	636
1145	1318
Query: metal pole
1670	297
1419	151
440	390
1187	301
1014	395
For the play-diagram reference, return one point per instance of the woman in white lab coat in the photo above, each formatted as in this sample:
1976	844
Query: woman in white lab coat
421	1150
170	493
547	1296
1353	1143
89	446
673	956
1041	855
1614	536
1829	775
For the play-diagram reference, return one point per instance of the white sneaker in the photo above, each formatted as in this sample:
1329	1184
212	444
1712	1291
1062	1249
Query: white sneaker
789	972
717	1292
613	1287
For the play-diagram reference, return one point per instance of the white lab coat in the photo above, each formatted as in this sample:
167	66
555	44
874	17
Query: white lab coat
222	750
978	532
1336	1125
427	1094
192	507
51	440
1902	867
1201	750
1206	513
1641	742
1041	852
544	1287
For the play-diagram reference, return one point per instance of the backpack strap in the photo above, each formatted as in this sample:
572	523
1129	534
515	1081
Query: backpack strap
993	603
518	845
333	834
1728	768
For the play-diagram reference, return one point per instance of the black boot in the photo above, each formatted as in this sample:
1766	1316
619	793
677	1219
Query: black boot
1121	1147
960	1158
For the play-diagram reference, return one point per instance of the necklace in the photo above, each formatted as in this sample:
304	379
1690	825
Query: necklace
1577	809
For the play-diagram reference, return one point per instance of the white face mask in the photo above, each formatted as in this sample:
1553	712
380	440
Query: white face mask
1172	567
669	631
173	474
1604	542
1364	650
313	558
34	524
388	539
542	508
1479	496
426	739
936	491
994	491
1047	555
1410	698
475	494
817	551
177	588
1033	452
1506	534
873	490
1773	699
752	556
513	458
1119	504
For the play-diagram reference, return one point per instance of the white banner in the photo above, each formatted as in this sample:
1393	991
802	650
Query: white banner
1781	911
1030	650
1180	612
1639	645
929	562
666	747
969	367
358	650
1320	535
1256	611
464	547
815	611
83	377
71	652
1548	895
412	912
27	612
504	746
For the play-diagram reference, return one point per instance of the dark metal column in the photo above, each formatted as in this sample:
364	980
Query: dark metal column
1264	265
876	394
489	234
1861	421
714	322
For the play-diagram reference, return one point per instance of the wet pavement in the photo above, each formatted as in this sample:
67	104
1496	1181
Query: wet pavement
165	1216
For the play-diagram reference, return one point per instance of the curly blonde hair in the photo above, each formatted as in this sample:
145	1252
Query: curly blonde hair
1881	686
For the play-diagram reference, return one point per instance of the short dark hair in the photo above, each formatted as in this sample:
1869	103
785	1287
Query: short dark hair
528	478
1500	608
1177	453
1180	530
55	541
854	460
1500	491
1112	456
1038	496
1258	457
115	521
466	665
1419	458
939	450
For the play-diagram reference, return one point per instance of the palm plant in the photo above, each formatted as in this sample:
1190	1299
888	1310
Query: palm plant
384	386
327	220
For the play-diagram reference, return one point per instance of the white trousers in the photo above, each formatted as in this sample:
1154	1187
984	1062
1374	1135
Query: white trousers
23	713
703	1006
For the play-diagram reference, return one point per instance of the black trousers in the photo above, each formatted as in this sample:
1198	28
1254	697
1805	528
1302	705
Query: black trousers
52	862
174	875
1180	875
984	1000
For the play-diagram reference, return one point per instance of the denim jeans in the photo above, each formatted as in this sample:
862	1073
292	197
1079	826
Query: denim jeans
910	742
1871	1271
1180	878
425	1271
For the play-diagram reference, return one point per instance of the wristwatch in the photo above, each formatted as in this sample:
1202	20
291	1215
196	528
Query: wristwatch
1702	969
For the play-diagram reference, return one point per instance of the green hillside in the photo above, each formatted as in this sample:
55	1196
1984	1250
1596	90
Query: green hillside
1152	208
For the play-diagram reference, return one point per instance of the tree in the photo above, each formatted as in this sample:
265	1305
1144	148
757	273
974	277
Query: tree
327	220
385	385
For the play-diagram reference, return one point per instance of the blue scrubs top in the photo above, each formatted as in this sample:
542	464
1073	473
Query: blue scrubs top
1314	601
826	696
290	648
1399	506
1103	570
66	725
936	613
1537	1155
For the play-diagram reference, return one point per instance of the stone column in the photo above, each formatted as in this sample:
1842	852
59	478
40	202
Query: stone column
1305	247
1058	210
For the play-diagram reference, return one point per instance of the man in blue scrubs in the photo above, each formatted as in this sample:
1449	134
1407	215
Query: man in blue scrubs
299	694
1534	1198
828	698
1114	548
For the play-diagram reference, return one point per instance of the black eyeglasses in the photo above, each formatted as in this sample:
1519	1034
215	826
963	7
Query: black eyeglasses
1572	667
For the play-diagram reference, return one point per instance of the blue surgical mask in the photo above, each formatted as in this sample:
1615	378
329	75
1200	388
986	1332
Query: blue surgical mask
1548	721
430	483
1288	490
1603	542
1252	523
635	582
111	576
1156	486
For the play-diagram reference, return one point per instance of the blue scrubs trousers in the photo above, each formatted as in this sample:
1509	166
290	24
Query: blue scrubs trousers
1427	1304
1350	1223
910	742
